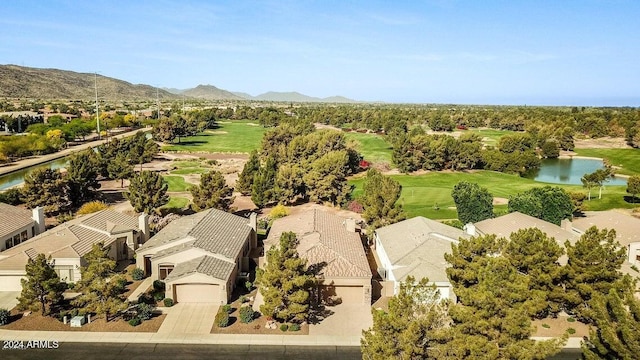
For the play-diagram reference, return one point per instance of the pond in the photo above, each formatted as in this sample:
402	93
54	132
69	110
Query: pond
570	171
17	177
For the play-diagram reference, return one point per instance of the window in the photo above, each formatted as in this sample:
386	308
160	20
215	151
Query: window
16	240
8	244
23	236
33	231
65	272
164	271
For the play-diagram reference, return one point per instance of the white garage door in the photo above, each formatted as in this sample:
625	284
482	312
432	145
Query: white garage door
197	293
10	283
347	294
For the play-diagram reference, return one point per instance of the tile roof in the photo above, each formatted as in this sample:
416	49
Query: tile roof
207	265
13	218
110	221
69	240
627	227
505	225
417	246
212	230
324	239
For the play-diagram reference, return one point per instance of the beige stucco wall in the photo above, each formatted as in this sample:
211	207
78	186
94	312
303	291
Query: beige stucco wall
11	282
199	279
140	253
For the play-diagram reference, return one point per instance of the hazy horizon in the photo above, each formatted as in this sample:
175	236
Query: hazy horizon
581	53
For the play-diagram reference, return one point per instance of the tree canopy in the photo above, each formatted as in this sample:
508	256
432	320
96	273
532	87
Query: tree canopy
213	192
473	203
147	191
41	288
47	188
549	203
379	200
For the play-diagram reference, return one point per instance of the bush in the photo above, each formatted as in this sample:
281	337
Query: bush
571	331
571	319
137	274
356	207
135	321
4	316
294	327
168	302
243	299
546	326
145	298
279	211
158	296
246	314
91	207
227	308
145	311
12	196
248	285
284	327
158	286
64	217
222	319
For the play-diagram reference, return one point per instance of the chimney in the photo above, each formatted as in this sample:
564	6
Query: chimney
566	224
38	217
470	229
350	225
143	225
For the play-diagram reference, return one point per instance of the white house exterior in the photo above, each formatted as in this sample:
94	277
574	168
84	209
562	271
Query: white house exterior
416	247
18	225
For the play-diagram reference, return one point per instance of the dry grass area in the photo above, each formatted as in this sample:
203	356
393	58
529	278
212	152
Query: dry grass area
602	143
558	326
35	321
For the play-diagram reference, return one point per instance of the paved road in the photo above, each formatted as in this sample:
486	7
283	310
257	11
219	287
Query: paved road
67	351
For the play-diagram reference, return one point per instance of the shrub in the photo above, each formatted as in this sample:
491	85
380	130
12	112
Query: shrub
145	311
158	296
91	207
571	319
158	286
546	326
284	327
4	316
137	274
571	331
246	314
135	321
227	308
248	285
294	327
279	211
222	319
356	207
12	196
145	298
64	217
168	302
243	299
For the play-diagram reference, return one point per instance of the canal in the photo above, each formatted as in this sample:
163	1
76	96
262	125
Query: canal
17	177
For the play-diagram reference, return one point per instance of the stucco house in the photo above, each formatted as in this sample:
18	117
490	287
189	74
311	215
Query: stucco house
200	256
67	244
18	225
416	247
333	244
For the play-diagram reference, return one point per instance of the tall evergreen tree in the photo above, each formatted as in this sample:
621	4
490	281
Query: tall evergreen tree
245	179
633	186
285	283
82	177
47	188
473	203
147	191
120	168
549	203
593	267
380	197
409	328
41	287
213	192
326	180
101	287
263	188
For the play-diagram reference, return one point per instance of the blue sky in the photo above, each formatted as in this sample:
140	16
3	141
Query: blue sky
552	52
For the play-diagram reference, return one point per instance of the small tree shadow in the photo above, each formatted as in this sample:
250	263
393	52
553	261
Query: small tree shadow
631	200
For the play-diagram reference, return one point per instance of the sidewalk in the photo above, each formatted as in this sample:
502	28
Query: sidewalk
37	160
146	284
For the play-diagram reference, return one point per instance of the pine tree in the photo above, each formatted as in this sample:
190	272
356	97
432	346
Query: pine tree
47	188
82	177
41	288
120	168
381	194
264	181
147	191
213	192
245	179
473	203
593	267
100	285
285	283
616	320
409	328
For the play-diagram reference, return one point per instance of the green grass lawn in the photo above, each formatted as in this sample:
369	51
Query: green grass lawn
429	195
176	183
491	136
230	137
372	147
627	159
176	203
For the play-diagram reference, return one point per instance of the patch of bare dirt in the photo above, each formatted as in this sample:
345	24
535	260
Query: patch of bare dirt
242	202
325	126
551	327
37	322
216	132
500	201
602	143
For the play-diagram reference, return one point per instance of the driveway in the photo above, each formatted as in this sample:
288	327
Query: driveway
346	320
189	318
8	299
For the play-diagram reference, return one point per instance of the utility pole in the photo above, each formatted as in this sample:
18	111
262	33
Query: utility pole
158	103
97	117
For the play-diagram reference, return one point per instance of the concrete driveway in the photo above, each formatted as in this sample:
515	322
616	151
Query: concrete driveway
346	320
8	299
189	318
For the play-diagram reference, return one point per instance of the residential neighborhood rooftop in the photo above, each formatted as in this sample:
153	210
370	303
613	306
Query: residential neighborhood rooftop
627	227
505	225
13	217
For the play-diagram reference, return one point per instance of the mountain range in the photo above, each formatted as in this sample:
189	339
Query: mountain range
35	83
